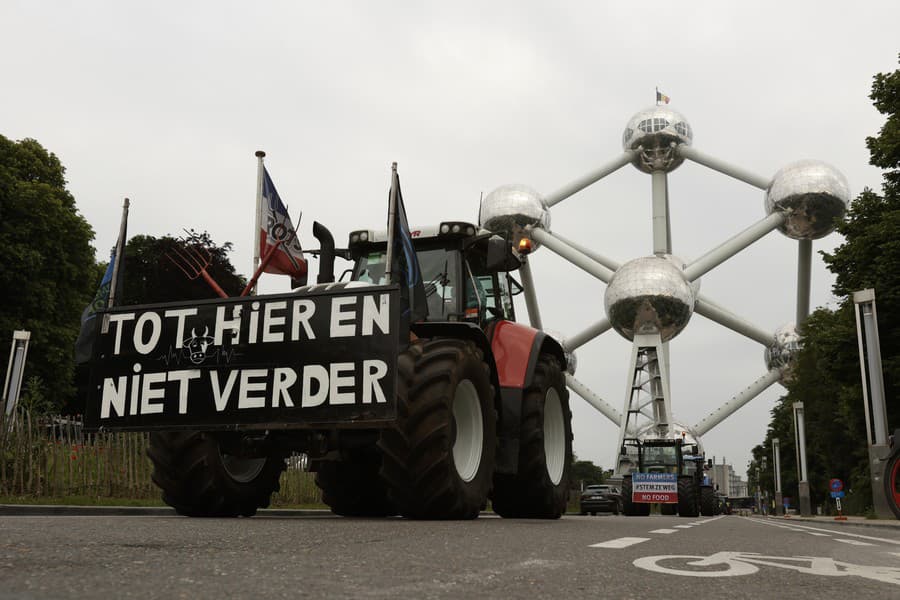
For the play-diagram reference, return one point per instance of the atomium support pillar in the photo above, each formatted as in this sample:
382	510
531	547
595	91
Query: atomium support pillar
534	313
647	393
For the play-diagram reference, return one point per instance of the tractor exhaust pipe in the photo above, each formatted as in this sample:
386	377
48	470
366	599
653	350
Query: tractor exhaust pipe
326	253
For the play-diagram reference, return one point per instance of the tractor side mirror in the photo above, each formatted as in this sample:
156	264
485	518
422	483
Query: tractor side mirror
623	452
498	252
709	463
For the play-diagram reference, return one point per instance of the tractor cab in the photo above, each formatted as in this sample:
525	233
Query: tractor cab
466	273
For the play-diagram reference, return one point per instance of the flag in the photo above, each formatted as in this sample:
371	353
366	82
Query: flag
85	342
405	268
276	225
660	97
110	289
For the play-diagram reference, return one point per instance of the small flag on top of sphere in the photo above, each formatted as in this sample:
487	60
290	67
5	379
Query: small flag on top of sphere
660	97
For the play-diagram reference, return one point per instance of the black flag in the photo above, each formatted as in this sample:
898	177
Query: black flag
404	266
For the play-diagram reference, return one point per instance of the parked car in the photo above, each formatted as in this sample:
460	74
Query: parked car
601	498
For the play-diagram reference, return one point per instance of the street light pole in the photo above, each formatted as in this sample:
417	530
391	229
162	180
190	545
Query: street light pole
776	457
803	485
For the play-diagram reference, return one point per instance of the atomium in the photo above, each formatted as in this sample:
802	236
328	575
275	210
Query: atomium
510	209
782	354
653	134
650	300
813	193
649	295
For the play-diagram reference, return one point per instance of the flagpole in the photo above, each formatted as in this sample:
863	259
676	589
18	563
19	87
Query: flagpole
260	169
392	214
117	261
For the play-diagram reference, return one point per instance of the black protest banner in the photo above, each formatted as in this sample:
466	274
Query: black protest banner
321	357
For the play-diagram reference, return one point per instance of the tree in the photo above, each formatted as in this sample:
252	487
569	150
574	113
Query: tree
586	472
47	266
152	276
826	376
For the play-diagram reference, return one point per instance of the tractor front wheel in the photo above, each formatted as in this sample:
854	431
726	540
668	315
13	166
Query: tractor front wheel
438	457
199	479
688	500
540	488
352	487
708	502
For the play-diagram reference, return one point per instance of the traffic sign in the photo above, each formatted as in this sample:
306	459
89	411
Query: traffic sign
836	485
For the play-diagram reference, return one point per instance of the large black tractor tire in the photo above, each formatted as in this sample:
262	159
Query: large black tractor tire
668	509
540	488
198	480
892	477
438	456
688	497
352	487
629	508
709	505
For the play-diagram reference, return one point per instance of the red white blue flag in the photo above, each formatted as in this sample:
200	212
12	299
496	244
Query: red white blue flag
277	225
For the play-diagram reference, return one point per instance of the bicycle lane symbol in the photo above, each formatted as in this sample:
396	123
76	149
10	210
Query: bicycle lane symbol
732	564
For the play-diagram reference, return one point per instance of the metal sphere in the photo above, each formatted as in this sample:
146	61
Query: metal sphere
653	134
510	209
815	193
676	429
782	353
571	358
649	295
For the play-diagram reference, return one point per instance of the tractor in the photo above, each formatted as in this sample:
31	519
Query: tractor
675	465
429	420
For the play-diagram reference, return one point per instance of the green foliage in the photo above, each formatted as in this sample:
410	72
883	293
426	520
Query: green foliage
47	265
33	398
826	375
585	472
151	276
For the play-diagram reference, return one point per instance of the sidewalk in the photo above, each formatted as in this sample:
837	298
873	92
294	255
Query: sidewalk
859	521
43	510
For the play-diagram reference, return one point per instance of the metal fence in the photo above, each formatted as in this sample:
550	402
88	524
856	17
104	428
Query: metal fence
52	457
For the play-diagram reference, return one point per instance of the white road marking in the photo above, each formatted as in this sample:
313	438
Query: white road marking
831	531
663	531
683	526
814	533
854	542
619	543
696	522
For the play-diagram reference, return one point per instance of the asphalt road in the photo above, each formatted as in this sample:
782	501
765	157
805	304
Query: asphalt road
320	556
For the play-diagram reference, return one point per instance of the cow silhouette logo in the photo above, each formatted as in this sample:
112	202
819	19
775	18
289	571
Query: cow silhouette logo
198	347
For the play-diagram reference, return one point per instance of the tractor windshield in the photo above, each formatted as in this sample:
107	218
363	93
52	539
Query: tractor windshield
439	272
660	459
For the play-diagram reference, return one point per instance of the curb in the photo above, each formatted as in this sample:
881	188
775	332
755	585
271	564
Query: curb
879	523
45	510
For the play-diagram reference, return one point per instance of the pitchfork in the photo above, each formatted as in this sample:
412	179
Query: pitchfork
193	261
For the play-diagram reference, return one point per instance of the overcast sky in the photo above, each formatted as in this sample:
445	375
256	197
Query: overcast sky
166	103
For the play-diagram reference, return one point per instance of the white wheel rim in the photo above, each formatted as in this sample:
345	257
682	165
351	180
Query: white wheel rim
242	470
554	436
469	442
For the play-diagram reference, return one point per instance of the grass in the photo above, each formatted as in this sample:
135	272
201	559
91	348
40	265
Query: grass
80	501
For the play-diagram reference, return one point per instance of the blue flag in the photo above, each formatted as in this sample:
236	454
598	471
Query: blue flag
85	341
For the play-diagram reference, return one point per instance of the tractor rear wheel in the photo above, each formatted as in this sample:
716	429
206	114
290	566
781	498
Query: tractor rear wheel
540	488
352	487
198	479
688	497
438	456
708	503
668	509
